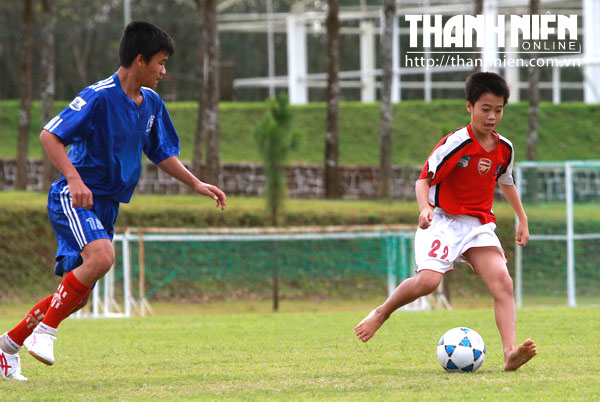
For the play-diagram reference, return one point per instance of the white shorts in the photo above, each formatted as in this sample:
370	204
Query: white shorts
448	238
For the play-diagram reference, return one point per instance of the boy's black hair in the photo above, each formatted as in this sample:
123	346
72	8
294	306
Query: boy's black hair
143	38
478	84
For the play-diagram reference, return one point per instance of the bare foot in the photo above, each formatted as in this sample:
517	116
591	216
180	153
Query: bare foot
520	355
369	325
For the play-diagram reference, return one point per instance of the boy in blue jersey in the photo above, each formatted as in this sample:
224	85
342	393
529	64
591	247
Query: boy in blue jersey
108	126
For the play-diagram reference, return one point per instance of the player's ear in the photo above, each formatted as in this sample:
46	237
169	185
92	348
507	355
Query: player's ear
469	107
139	60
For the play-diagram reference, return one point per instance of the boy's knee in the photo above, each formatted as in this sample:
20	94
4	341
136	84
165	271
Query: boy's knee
507	283
503	286
100	256
105	259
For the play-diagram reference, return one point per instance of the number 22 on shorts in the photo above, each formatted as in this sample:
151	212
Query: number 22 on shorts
435	246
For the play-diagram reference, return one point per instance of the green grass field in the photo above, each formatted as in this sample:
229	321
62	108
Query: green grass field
307	351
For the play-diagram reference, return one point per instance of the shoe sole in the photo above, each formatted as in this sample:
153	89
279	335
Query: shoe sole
41	359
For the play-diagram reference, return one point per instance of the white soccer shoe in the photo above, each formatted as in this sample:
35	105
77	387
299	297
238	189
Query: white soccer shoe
10	367
41	346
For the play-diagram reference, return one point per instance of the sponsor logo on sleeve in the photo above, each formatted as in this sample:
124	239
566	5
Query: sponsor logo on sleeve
149	124
464	161
77	104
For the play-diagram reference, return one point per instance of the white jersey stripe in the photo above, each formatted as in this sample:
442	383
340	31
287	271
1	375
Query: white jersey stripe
55	125
103	82
454	142
65	201
104	87
51	122
441	154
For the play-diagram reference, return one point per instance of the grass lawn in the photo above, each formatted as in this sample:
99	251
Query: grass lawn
307	351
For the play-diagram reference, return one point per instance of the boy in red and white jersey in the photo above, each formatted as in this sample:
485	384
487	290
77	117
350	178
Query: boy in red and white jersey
455	193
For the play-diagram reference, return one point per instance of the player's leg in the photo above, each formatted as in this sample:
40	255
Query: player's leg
14	338
408	291
84	255
434	255
12	341
490	265
82	304
98	257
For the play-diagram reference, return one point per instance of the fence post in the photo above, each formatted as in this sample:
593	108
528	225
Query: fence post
570	237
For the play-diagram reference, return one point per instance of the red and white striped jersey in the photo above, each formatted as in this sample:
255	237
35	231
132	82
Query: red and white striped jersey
464	175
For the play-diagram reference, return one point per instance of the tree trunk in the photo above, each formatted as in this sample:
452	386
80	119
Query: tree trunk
332	179
210	120
385	140
533	73
26	92
197	169
47	82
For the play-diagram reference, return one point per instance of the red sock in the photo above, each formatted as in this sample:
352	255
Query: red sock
23	329
68	295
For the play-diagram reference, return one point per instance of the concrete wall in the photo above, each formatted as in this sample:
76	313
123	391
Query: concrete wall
304	181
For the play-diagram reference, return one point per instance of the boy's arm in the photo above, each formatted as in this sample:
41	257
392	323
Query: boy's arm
174	168
425	211
511	195
81	196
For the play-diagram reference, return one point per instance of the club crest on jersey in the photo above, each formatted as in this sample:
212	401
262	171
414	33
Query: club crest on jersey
149	124
464	161
484	166
77	104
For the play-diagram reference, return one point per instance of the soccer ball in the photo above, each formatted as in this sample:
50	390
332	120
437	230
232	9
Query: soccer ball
461	350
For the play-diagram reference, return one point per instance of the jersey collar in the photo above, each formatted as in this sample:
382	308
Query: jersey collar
129	100
494	133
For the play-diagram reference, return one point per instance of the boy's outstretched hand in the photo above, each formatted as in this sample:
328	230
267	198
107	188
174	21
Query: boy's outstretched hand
213	192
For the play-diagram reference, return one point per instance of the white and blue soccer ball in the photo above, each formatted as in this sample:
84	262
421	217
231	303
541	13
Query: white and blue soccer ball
461	350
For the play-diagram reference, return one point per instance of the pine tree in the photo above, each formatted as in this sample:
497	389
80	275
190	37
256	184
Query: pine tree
275	141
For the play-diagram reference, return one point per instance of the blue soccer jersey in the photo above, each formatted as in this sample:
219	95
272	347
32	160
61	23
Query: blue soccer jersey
107	132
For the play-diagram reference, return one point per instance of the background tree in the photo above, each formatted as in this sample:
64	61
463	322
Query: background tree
25	81
210	118
533	95
47	80
533	74
385	137
275	141
331	170
201	93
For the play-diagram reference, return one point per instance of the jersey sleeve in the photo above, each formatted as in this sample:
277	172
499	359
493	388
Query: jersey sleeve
444	158
506	175
75	122
162	142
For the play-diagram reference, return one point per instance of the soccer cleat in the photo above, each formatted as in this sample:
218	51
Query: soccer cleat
41	346
10	367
